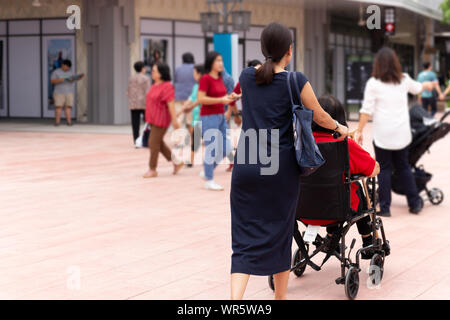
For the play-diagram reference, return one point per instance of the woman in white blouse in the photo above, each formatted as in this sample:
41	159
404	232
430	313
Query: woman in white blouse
386	100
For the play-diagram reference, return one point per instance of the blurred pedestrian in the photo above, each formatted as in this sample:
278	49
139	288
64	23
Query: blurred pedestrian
184	82
160	113
212	94
233	111
446	92
386	100
138	86
427	96
192	106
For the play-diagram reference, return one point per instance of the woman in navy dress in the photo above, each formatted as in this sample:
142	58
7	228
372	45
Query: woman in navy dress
264	193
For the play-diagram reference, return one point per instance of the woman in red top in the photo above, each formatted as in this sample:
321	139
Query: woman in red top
233	110
361	163
212	95
160	113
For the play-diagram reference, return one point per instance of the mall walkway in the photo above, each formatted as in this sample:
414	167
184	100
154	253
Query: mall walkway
79	222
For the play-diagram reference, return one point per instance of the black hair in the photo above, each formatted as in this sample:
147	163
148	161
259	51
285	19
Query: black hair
334	108
254	63
200	68
275	42
68	63
138	66
209	61
164	70
426	65
188	58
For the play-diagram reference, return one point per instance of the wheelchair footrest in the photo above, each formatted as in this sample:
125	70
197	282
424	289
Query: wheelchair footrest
314	266
340	280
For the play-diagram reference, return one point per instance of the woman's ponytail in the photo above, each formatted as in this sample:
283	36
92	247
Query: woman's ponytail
264	74
275	42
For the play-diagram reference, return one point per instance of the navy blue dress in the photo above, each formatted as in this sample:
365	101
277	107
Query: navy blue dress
263	206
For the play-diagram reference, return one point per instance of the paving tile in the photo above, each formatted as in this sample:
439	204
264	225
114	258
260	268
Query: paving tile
75	198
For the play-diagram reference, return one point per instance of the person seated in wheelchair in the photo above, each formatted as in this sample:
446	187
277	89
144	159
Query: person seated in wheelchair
361	163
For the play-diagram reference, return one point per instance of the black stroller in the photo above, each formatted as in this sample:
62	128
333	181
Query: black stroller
425	130
325	201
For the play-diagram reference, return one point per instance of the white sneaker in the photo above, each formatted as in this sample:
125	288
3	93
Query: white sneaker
202	175
211	185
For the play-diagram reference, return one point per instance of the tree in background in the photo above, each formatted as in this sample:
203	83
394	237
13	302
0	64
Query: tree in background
445	6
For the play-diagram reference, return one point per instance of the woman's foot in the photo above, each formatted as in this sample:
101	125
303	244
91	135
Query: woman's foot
417	208
150	174
211	185
230	168
177	168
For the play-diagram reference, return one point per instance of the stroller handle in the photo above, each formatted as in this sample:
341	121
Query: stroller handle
444	116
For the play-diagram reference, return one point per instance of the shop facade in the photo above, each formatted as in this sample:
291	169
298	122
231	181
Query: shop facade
114	34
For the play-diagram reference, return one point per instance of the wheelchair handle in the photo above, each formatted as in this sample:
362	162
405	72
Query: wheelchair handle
336	135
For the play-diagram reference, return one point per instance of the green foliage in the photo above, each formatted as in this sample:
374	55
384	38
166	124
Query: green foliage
445	6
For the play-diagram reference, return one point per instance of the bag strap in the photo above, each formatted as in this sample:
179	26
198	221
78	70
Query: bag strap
297	89
289	76
289	87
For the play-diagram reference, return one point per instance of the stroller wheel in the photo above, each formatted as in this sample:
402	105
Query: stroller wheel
271	282
352	283
436	196
376	269
297	258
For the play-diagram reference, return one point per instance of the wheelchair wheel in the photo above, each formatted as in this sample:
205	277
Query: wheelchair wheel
376	269
436	196
352	283
298	257
271	282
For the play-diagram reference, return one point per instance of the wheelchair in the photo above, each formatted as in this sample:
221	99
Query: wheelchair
324	200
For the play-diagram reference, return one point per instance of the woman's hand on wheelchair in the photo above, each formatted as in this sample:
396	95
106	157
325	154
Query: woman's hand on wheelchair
343	131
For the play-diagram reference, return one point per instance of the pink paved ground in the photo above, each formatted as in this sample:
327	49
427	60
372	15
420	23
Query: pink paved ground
76	202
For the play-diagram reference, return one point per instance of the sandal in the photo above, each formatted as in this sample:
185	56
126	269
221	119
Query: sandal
150	175
177	168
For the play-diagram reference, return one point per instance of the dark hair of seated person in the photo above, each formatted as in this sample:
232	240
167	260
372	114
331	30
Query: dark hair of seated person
334	108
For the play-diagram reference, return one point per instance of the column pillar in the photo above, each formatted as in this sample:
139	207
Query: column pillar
109	31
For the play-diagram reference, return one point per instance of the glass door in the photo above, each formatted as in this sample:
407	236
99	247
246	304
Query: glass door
55	49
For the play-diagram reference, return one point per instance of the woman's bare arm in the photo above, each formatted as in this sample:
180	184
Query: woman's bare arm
173	114
202	98
321	117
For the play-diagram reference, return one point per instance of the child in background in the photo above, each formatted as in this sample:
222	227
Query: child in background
192	105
